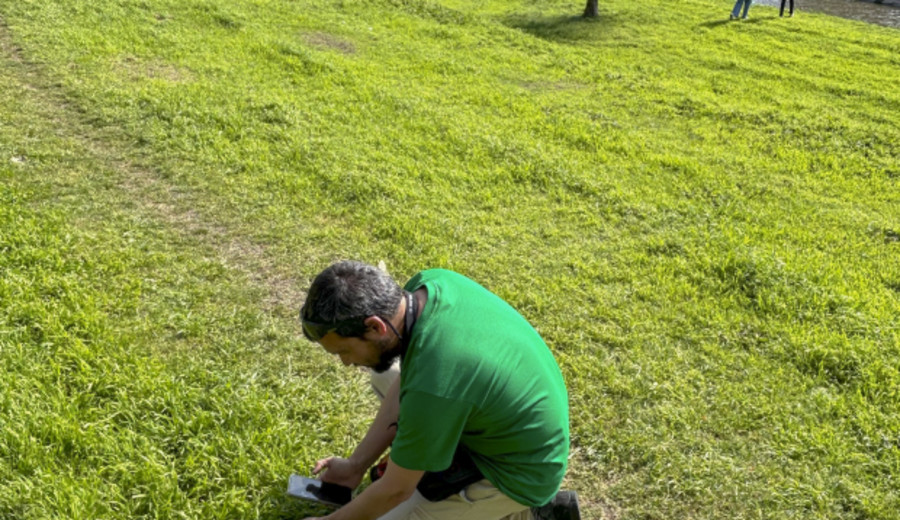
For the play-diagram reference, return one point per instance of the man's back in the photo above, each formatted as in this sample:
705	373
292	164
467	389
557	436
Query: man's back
476	373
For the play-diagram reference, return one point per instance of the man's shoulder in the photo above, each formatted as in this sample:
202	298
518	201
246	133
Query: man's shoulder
427	275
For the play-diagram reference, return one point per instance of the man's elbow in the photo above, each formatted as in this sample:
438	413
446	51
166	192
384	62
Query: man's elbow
393	493
398	484
397	496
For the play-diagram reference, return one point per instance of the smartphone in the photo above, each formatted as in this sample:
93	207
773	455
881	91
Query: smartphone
317	491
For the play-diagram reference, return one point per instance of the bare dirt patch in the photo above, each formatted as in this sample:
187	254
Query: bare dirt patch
323	40
138	68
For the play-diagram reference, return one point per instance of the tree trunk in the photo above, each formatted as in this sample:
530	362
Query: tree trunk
591	10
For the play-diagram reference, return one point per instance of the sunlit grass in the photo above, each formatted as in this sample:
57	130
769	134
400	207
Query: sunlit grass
701	217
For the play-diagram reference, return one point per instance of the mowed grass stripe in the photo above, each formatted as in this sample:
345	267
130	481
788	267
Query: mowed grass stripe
126	391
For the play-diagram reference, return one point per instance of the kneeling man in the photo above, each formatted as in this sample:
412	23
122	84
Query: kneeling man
475	379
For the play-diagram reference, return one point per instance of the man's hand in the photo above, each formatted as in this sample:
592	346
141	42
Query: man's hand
339	471
386	493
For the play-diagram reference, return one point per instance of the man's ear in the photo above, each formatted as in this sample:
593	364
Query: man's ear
375	324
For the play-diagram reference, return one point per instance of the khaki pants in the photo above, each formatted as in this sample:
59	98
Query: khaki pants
479	501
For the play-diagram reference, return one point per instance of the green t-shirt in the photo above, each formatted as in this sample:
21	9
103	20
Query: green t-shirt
476	373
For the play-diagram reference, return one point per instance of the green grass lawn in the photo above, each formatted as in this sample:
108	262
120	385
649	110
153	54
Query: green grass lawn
701	217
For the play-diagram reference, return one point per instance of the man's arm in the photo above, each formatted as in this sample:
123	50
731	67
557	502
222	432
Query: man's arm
382	431
386	493
349	472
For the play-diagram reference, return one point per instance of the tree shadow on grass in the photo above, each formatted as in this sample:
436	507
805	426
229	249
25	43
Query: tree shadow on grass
760	19
561	29
718	23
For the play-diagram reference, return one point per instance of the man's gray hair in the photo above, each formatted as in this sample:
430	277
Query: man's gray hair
351	289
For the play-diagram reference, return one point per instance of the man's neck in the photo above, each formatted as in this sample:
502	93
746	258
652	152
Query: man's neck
398	320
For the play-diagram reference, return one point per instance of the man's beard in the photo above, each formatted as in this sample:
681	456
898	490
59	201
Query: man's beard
387	356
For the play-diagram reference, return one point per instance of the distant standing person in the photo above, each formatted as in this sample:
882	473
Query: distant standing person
735	13
791	12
